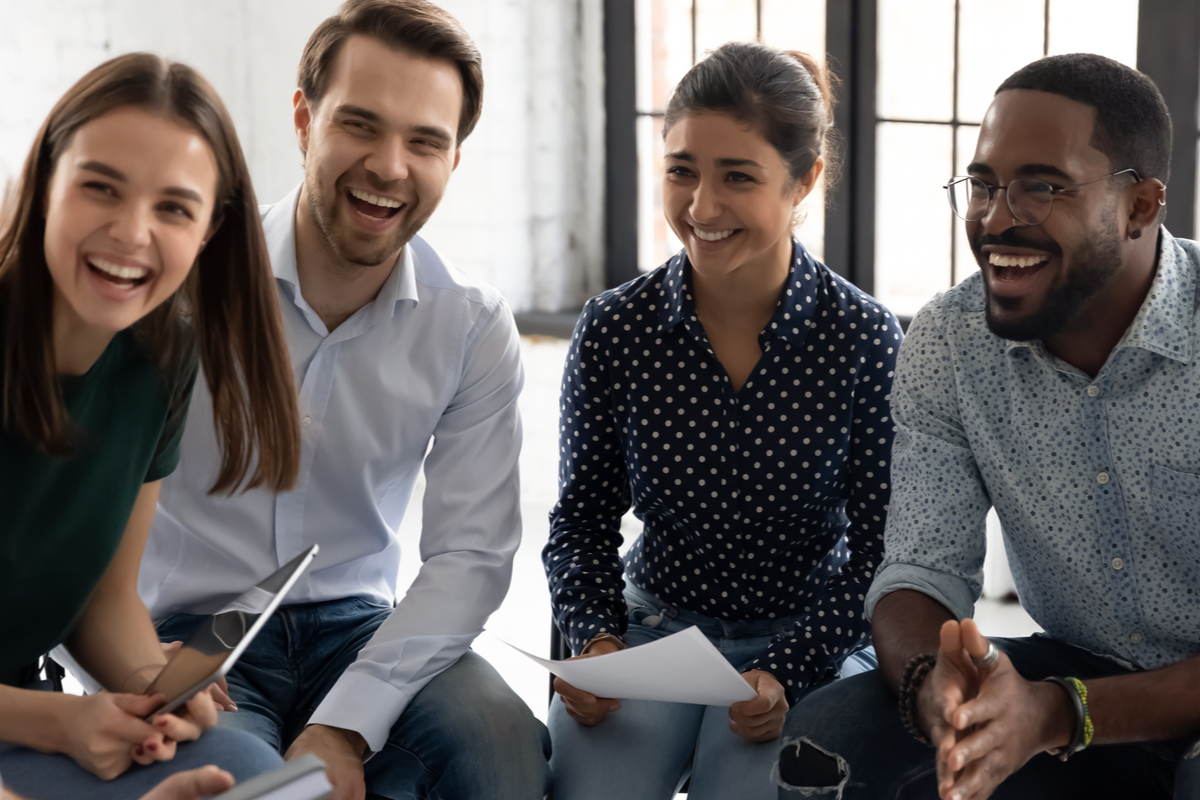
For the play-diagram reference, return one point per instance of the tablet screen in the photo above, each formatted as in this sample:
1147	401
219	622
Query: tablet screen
221	638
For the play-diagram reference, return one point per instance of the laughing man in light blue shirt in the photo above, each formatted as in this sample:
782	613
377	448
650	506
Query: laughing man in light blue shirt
392	348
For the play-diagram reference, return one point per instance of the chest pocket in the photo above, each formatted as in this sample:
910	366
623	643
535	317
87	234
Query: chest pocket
1176	502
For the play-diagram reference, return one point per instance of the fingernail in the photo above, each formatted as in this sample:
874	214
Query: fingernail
161	722
231	707
139	750
152	747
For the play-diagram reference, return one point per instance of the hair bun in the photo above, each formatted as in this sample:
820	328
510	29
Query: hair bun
822	76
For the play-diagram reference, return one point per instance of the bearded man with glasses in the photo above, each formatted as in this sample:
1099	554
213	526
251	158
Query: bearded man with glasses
1061	384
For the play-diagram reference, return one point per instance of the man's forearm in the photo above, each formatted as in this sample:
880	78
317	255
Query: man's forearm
905	624
1147	706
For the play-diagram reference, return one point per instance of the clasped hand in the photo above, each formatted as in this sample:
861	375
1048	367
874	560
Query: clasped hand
106	732
985	723
759	719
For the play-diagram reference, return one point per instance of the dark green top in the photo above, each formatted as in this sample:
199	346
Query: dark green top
61	519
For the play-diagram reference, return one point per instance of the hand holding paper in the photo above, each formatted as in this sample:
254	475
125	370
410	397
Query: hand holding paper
681	668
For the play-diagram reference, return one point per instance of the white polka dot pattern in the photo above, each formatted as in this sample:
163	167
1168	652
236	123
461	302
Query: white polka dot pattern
762	504
1096	480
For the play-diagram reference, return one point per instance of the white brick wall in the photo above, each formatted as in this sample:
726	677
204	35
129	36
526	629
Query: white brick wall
524	211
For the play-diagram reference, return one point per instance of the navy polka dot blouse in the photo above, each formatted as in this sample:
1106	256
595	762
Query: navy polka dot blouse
759	504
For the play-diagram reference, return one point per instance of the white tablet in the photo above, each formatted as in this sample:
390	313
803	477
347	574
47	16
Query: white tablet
302	779
221	639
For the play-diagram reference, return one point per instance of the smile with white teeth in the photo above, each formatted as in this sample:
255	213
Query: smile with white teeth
376	200
117	271
713	236
1008	260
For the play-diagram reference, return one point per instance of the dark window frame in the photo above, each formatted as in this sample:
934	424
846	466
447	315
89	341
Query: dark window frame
1168	51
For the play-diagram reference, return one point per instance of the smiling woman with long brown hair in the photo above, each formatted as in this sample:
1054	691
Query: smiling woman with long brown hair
131	257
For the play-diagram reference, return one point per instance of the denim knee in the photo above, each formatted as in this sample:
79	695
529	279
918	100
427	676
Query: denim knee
846	737
240	753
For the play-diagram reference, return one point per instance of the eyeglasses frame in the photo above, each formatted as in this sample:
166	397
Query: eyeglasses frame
1054	192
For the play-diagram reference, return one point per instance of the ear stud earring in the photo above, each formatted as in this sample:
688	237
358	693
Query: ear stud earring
1135	234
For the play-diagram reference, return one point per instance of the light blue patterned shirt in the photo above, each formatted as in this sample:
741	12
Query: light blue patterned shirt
1096	481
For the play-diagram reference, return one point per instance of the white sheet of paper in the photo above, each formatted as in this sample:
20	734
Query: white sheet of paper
681	668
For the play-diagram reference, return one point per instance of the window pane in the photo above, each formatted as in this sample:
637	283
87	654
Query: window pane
1076	26
800	25
995	40
1197	228
795	25
916	59
912	218
964	261
664	49
811	230
656	241
721	21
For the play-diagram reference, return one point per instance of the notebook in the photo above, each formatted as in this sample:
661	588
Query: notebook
302	779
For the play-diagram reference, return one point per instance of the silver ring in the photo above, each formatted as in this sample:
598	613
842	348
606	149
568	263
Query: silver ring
988	659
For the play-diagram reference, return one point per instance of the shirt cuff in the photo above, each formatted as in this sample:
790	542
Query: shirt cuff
366	705
951	591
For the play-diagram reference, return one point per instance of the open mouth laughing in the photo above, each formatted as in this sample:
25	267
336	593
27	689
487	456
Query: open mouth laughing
372	205
1016	266
122	276
714	238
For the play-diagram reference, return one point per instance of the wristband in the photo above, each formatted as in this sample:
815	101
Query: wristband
604	637
1084	729
915	673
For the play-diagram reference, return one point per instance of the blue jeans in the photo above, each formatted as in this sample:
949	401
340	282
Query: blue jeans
53	776
465	735
859	720
647	749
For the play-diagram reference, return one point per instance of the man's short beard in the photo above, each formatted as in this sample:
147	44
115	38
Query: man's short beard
1093	266
326	219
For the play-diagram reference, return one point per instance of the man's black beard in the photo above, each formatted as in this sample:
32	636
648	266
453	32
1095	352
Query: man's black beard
1093	266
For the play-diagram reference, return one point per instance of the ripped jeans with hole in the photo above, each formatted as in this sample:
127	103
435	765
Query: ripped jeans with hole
647	750
846	742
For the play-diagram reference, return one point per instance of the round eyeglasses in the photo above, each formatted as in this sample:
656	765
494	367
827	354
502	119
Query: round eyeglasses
1029	199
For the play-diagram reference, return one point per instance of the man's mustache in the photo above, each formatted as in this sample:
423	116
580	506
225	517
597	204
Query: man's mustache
1010	238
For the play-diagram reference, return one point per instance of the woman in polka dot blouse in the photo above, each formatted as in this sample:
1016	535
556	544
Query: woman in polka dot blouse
737	397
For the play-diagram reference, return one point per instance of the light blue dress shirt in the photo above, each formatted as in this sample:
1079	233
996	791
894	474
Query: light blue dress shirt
432	363
1096	480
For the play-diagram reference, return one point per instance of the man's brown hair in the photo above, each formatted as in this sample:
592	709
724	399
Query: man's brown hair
416	26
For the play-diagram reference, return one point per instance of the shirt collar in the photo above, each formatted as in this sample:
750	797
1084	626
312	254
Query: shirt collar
1165	321
279	228
793	312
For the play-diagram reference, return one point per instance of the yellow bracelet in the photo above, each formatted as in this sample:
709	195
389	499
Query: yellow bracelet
1089	730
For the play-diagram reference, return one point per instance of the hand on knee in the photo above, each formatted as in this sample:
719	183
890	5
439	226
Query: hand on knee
192	785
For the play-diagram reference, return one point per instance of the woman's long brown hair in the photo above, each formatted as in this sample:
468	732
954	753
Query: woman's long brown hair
229	296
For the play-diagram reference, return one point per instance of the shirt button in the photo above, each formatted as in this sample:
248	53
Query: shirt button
1117	563
1102	477
307	421
1135	637
1093	391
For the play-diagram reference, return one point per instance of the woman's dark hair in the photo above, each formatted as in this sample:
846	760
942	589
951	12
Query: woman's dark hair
785	95
229	297
417	26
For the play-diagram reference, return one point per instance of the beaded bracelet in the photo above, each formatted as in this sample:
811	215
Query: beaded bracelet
1084	729
915	673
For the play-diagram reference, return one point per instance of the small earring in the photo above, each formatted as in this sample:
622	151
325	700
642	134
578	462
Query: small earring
1135	234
